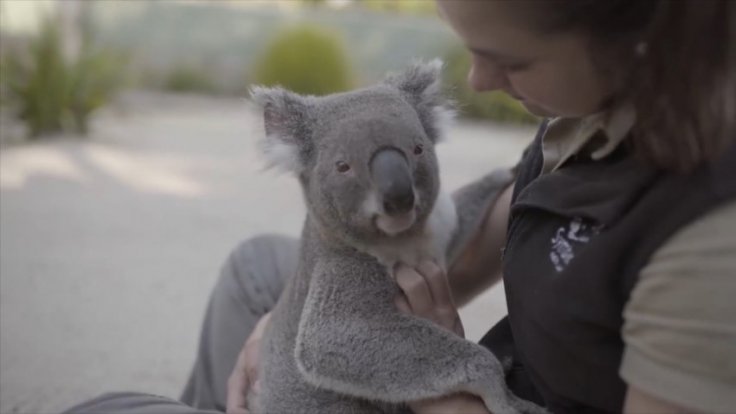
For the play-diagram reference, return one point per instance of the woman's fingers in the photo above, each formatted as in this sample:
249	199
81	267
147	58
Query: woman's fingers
244	377
444	306
238	386
402	304
416	290
437	282
426	294
452	404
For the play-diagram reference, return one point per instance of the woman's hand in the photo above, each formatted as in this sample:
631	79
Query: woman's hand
244	378
453	404
425	293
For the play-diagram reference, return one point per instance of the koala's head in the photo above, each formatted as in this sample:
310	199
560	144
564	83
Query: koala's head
365	158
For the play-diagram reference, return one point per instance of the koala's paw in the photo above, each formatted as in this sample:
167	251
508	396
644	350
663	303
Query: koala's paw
507	363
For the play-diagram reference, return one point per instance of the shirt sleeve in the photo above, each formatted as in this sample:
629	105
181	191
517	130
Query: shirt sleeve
680	322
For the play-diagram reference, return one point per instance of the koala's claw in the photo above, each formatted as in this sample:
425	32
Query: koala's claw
506	362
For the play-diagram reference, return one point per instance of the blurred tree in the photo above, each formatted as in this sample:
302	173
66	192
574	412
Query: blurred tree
52	93
189	78
400	6
306	59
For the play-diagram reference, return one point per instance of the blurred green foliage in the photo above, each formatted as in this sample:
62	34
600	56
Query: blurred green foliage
189	79
52	95
425	7
305	59
495	106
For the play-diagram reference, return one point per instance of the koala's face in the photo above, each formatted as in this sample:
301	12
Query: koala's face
366	158
375	171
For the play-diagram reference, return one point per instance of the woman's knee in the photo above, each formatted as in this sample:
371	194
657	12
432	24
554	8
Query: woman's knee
257	269
133	403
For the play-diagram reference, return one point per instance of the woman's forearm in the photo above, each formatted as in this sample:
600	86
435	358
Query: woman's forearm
479	265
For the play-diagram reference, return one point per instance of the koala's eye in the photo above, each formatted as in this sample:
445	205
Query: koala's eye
342	166
419	149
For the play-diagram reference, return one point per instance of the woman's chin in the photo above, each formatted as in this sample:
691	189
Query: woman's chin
537	110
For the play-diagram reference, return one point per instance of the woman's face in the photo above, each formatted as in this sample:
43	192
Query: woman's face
550	75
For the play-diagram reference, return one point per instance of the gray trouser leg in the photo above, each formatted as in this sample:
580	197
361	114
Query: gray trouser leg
249	286
134	403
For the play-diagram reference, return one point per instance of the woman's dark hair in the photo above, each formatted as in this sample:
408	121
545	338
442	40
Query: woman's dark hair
676	60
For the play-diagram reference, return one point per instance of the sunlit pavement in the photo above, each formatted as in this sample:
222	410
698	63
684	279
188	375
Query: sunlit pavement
109	245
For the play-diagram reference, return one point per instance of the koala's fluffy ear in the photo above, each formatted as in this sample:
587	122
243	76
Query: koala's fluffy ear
421	86
285	117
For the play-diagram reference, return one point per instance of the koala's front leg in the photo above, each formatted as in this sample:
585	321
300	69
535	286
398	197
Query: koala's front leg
352	340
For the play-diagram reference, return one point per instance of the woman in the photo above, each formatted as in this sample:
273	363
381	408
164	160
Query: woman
626	303
618	233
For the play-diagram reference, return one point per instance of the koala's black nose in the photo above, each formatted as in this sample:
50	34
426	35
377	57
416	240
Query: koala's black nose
392	177
401	203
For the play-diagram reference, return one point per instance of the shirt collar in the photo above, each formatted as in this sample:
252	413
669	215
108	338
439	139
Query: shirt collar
565	137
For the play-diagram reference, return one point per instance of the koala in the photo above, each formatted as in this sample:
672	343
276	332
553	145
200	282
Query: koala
366	163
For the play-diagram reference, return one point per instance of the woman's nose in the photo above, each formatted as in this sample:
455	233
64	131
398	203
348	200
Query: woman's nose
486	77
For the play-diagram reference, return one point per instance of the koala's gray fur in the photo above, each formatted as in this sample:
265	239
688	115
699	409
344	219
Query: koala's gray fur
336	342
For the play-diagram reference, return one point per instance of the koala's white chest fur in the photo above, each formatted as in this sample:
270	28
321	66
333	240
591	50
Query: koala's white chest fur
430	244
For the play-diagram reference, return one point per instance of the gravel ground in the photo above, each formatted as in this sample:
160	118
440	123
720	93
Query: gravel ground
110	245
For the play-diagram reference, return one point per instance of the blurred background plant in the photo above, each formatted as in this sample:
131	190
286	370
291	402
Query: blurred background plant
422	7
190	79
52	91
305	59
310	46
496	106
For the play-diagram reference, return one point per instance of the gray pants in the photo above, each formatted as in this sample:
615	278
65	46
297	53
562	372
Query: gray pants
250	283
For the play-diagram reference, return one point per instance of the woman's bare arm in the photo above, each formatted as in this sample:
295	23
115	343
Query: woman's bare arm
479	266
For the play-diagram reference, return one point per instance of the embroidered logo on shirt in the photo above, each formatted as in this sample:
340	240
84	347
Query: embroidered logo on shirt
564	240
